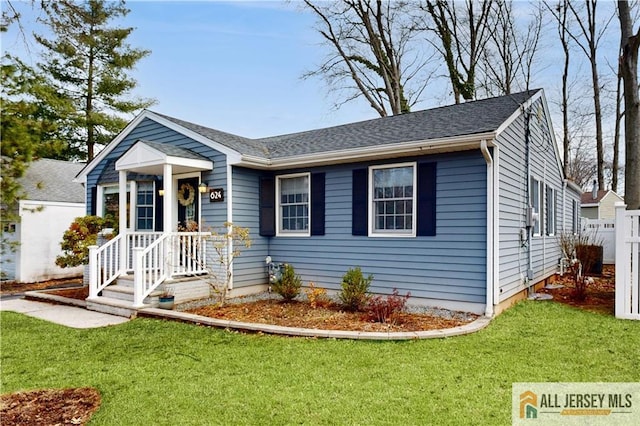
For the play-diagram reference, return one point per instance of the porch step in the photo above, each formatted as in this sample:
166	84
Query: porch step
112	306
123	292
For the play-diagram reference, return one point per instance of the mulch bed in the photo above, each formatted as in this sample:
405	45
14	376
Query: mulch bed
600	296
329	317
12	287
49	407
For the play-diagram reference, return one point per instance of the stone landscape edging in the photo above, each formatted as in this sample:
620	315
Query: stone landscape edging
472	327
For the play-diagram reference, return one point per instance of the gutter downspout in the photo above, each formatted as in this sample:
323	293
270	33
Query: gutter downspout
491	255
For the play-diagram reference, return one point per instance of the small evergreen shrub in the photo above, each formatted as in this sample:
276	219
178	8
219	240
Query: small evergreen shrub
288	286
355	289
385	309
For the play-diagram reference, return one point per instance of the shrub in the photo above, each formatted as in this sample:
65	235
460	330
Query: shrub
385	309
317	296
355	289
82	233
582	254
288	286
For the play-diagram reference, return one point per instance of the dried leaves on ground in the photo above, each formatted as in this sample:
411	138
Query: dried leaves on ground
600	294
13	287
49	407
330	317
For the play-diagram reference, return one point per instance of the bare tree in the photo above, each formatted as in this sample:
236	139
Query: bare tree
508	58
372	53
462	32
629	71
588	38
615	163
559	12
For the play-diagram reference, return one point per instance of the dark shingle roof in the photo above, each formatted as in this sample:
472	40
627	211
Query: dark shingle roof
444	122
52	180
237	143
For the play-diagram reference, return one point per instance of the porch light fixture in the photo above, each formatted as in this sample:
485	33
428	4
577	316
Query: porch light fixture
203	187
161	192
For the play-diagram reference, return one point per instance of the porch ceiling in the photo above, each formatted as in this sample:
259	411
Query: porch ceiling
151	157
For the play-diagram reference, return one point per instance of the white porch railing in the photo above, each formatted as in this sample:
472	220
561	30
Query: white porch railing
104	265
170	255
627	263
139	239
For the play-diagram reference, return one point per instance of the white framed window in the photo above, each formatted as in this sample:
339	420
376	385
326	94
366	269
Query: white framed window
392	200
575	222
293	195
537	202
109	203
145	206
550	211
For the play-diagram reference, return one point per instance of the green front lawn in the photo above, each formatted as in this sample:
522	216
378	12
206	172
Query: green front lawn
157	372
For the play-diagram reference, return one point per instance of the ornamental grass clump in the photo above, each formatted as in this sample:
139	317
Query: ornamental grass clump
288	286
385	309
355	289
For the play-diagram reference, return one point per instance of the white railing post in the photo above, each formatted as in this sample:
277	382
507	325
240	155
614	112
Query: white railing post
93	271
138	277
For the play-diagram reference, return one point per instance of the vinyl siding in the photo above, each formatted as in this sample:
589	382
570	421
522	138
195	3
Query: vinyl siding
212	214
249	268
449	266
513	202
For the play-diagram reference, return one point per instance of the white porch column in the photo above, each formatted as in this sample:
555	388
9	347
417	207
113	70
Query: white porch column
168	199
122	216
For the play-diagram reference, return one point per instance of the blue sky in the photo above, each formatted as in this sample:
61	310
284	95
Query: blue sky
234	66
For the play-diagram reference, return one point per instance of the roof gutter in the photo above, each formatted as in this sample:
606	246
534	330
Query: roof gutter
421	147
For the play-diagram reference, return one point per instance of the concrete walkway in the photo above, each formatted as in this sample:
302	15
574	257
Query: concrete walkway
69	316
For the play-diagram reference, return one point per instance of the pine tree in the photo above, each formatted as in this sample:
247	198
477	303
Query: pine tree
30	117
88	60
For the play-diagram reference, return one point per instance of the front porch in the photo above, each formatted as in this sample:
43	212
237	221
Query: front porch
158	242
123	281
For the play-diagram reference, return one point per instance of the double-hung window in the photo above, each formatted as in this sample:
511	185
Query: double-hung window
551	211
144	206
293	195
537	202
393	200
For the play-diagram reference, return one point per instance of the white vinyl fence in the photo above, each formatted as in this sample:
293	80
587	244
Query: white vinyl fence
627	263
602	232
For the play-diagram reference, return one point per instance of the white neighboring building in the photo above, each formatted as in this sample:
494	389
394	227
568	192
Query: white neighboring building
52	201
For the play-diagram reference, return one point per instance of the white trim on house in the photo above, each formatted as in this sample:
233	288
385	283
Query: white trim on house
371	219
142	158
232	156
397	150
279	231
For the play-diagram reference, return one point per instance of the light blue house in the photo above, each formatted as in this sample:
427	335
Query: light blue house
460	205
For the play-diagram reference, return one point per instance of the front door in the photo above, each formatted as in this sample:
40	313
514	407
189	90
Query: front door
188	204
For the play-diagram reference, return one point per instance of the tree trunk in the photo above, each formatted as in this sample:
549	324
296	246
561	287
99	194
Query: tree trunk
616	136
629	71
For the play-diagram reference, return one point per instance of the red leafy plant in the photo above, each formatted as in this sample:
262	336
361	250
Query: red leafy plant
385	309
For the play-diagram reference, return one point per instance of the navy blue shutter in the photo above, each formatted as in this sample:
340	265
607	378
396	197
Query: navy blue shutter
93	202
426	199
359	212
317	204
267	207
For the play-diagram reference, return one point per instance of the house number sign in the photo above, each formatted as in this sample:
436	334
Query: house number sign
216	195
